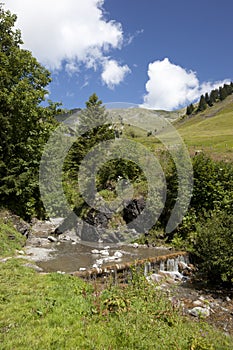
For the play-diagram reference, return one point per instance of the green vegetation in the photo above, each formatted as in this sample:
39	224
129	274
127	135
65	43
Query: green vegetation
213	247
215	95
10	239
56	311
25	124
210	130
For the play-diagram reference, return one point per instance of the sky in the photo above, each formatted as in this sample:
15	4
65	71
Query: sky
159	54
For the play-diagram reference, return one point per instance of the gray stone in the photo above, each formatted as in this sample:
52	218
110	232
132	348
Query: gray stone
42	228
199	311
52	239
34	267
197	303
155	277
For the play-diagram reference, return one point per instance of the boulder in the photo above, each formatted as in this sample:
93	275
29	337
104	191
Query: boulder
42	228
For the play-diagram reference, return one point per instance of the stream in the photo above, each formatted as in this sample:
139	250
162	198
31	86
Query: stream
68	257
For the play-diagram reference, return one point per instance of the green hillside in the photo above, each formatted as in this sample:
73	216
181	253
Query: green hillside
211	130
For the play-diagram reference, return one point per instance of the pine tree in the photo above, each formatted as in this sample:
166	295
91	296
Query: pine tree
190	109
202	104
207	98
94	128
222	93
213	97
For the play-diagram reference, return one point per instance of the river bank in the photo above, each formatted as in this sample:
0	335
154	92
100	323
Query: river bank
46	253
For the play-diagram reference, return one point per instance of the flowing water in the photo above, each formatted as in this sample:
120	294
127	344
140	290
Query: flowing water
68	257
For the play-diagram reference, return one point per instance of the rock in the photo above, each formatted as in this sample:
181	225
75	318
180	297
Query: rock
197	303
199	311
37	242
175	275
21	226
192	268
82	269
133	208
118	254
38	253
99	262
228	299
42	229
20	252
34	267
182	266
52	239
56	221
135	245
155	277
95	251
104	252
5	259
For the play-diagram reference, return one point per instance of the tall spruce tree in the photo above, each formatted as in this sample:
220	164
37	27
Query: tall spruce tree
202	104
190	109
222	93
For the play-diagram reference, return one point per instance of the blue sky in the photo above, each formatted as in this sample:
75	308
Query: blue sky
161	54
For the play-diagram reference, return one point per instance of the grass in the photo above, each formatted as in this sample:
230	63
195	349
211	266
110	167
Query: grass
10	239
54	311
211	130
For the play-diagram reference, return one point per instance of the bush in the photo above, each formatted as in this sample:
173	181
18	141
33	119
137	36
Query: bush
213	247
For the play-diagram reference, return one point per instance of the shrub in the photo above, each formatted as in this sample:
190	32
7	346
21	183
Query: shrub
213	247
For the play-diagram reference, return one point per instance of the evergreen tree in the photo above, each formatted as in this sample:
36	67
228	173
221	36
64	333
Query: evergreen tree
202	104
92	123
213	97
228	89
222	93
207	98
190	109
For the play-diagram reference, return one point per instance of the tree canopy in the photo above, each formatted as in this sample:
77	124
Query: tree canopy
25	124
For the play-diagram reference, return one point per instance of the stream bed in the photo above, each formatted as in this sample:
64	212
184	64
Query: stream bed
68	257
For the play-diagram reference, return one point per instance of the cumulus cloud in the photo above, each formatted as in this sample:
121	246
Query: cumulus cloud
171	86
69	32
113	73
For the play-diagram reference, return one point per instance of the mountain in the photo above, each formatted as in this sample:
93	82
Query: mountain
210	130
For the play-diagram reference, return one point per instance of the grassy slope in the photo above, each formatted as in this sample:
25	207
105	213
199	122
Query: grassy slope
211	130
54	311
10	239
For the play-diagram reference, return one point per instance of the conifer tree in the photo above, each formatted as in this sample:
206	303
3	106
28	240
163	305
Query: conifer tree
222	93
202	104
190	109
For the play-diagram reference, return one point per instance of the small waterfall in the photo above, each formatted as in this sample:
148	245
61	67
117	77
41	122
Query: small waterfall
172	264
161	266
168	264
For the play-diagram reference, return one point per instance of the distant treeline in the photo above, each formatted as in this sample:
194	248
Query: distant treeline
209	99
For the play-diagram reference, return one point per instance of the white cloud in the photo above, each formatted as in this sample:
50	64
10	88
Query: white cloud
73	32
113	73
171	86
